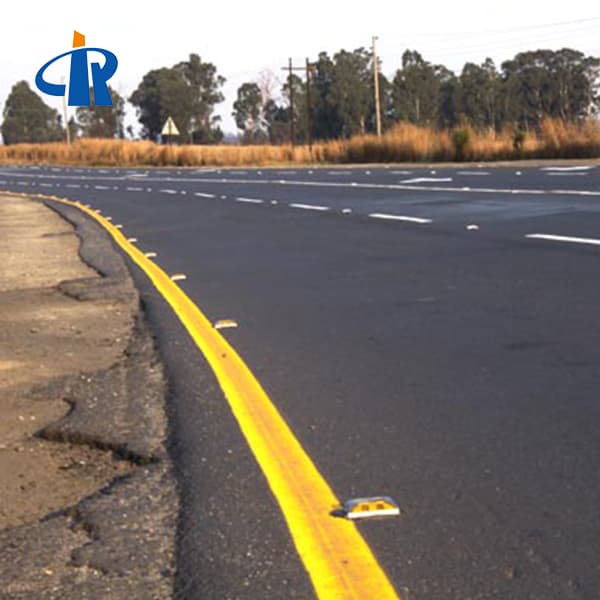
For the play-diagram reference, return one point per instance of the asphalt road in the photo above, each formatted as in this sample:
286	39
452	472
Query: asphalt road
417	340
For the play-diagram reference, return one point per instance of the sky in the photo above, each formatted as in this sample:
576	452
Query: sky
244	38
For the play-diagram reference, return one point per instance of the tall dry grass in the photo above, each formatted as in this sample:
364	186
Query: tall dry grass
403	143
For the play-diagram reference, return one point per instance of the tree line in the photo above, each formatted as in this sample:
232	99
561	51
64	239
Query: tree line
520	93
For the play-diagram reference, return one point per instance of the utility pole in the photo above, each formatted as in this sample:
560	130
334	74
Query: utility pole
309	68
290	69
376	86
64	102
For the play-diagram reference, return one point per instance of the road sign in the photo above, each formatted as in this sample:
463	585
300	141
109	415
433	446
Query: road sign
169	128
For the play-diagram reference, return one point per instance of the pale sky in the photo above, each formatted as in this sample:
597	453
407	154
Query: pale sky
244	38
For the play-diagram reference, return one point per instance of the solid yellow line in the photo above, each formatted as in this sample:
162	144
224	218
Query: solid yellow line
337	558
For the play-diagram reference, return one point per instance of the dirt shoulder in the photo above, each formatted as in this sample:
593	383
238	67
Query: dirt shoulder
89	504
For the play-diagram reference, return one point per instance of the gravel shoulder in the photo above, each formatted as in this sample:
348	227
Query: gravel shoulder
89	502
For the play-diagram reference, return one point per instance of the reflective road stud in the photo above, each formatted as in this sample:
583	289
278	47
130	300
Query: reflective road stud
225	324
374	506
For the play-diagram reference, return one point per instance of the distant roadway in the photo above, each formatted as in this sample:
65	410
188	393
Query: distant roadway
431	334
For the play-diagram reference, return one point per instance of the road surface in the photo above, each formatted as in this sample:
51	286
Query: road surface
427	333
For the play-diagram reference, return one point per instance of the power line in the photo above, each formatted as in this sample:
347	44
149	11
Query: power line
508	29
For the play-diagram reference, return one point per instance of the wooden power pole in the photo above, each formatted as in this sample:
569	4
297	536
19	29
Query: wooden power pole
309	68
376	86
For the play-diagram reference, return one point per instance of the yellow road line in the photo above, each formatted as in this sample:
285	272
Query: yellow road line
337	558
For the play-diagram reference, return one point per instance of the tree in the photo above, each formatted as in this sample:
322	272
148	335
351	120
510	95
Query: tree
479	93
541	83
187	92
102	121
417	89
248	111
27	119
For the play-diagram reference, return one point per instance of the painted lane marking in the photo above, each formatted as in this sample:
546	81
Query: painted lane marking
49	185
309	207
168	191
178	277
473	173
400	218
250	200
223	197
203	195
134	189
427	180
336	556
150	254
568	174
563	169
373	186
72	185
563	238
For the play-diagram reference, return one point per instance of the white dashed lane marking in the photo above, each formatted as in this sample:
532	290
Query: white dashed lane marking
168	191
427	180
203	195
250	200
563	238
309	207
400	218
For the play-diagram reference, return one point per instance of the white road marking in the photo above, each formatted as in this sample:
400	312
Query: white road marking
567	174
183	192
563	169
178	277
250	200
339	184
339	172
203	195
476	173
26	183
132	240
134	189
46	185
168	191
309	206
223	197
102	187
346	211
400	218
427	180
401	172
150	254
563	238
273	202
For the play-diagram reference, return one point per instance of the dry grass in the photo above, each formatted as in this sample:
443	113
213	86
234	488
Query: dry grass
403	143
